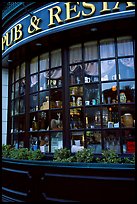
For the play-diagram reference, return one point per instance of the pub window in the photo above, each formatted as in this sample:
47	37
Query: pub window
100	88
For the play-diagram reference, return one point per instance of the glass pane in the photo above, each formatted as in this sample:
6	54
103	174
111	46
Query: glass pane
56	141
22	104
77	141
91	51
56	78
108	70
34	65
109	93
127	91
125	46
111	140
12	95
94	141
44	61
56	99
44	80
34	102
16	89
16	106
92	94
13	76
17	73
107	48
91	72
110	117
22	124
22	87
127	116
126	68
75	53
93	117
44	143
43	120
128	141
34	83
56	120
76	96
22	74
16	124
12	108
44	100
56	58
76	118
76	74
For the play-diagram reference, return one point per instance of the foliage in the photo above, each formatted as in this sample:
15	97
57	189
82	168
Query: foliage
110	156
21	153
85	155
61	154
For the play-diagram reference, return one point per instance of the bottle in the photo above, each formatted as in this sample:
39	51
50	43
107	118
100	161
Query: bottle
34	124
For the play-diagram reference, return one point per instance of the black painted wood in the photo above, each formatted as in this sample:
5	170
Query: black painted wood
48	181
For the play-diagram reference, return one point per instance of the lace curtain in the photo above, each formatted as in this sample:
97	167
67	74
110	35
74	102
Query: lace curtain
75	53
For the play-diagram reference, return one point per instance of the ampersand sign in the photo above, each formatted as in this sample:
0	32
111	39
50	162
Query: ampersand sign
34	25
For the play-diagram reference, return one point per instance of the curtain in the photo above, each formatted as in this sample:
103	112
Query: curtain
56	58
75	53
44	61
34	65
125	46
90	51
107	48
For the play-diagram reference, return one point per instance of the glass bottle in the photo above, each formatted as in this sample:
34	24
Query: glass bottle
34	124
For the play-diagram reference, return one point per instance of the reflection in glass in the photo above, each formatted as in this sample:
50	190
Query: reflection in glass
76	118
107	48
94	141
92	94
76	74
22	71
13	76
34	83
108	70
44	143
34	65
16	106
128	88
56	58
21	124
56	78
129	141
16	89
111	140
77	141
22	87
34	102
93	117
44	100
22	104
75	53
12	95
91	72
56	141
109	93
126	68
56	98
17	73
125	46
44	81
91	51
44	61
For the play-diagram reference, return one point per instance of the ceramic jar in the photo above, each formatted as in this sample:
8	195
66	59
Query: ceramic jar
127	120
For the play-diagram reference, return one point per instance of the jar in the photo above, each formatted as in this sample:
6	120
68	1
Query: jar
123	97
79	101
127	120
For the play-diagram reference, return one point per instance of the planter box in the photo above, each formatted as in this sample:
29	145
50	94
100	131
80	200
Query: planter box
41	181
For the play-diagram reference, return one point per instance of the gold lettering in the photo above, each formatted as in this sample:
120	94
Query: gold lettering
3	42
56	15
34	25
130	5
18	32
90	6
69	10
105	8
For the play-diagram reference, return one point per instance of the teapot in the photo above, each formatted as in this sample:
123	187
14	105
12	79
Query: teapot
127	120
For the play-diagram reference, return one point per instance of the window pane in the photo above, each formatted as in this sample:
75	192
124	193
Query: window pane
93	117
76	96
34	83
109	93
22	74
77	141
56	58
44	61
127	91
108	70
75	53
44	80
76	118
125	46
91	72
34	65
34	102
107	48
90	49
76	74
94	141
44	100
126	68
92	94
56	141
17	73
56	98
